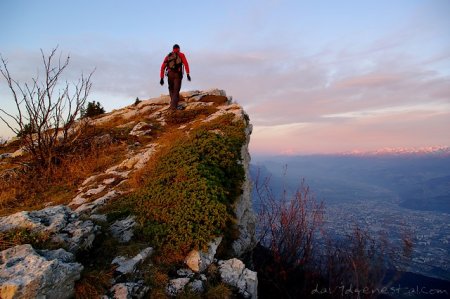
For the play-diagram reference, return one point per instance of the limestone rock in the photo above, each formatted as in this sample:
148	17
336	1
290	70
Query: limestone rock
24	273
126	266
185	273
176	285
193	260
234	273
162	100
77	235
95	191
92	206
141	129
51	219
197	286
122	230
59	221
128	290
246	219
198	261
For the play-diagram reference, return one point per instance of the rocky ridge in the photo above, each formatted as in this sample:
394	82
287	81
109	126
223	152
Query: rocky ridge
74	226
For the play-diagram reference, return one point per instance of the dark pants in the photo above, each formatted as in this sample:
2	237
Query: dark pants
174	79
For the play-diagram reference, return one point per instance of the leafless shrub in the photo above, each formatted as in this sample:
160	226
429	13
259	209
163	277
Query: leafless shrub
299	254
289	223
46	109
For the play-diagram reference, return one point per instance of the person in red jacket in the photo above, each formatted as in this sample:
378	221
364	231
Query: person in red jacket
174	63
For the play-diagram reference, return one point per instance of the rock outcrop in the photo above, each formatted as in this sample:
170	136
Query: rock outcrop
198	261
246	219
60	222
126	266
234	273
27	273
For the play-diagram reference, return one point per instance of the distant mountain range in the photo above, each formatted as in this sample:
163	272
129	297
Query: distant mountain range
429	150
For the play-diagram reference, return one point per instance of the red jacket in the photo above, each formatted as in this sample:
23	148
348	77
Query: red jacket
183	59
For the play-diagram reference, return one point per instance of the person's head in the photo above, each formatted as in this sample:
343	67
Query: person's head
176	48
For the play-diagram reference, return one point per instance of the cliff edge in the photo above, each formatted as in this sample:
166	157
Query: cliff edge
151	190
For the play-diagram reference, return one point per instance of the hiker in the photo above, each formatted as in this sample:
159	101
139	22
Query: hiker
174	63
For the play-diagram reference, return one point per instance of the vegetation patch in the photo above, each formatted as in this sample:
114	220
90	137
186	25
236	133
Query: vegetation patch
187	197
185	116
19	236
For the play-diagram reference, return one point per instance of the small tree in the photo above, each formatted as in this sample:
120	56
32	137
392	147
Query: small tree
93	109
137	101
47	108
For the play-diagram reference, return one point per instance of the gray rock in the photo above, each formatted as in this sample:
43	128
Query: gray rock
92	206
185	273
58	254
51	219
95	191
198	261
59	222
122	230
126	265
129	290
189	94
234	273
197	286
24	273
77	235
141	129
177	285
245	216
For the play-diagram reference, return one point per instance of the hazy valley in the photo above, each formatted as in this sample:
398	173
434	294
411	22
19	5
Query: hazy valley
394	194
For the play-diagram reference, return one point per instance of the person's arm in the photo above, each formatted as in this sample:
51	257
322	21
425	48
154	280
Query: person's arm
185	63
163	68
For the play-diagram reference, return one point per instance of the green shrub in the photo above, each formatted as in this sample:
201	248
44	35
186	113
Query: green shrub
93	109
187	199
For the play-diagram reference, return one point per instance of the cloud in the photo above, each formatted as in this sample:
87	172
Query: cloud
336	99
424	108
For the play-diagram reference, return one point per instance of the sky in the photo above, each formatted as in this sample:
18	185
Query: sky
314	76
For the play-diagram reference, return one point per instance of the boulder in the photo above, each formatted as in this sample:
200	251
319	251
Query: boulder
176	285
198	261
26	273
128	290
123	230
126	266
234	273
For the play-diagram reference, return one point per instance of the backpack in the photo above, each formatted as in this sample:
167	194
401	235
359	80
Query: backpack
174	61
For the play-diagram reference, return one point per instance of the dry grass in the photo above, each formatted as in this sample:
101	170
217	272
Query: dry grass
30	187
93	284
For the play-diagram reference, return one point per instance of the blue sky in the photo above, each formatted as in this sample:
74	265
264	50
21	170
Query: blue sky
315	76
